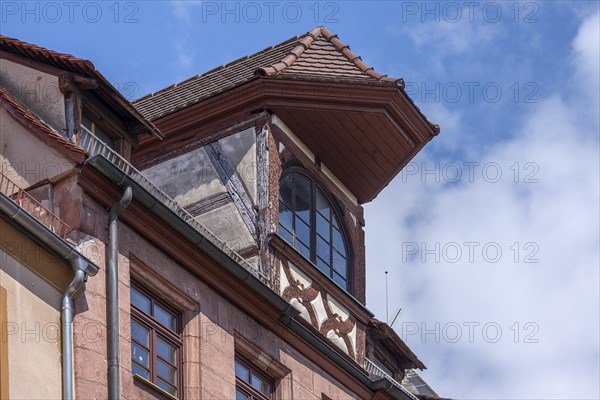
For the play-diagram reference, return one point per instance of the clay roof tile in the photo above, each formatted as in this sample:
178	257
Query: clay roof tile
319	54
42	130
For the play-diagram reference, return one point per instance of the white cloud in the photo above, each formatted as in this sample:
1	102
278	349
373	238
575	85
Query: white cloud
559	215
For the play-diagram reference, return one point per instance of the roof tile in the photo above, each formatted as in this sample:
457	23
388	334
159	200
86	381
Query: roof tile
319	54
42	130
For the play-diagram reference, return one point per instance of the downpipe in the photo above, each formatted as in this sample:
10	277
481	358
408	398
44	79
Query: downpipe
112	294
66	315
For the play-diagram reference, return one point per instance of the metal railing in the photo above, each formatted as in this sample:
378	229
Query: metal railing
374	370
94	146
33	206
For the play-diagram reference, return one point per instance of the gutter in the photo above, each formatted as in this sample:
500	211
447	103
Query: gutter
288	312
387	386
140	194
82	267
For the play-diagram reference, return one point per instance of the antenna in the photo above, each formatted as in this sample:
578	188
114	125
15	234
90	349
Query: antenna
396	316
387	319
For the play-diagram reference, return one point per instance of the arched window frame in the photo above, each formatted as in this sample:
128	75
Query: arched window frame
337	213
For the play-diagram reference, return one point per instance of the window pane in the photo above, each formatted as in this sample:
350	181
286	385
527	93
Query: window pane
323	205
338	242
285	192
285	216
304	250
166	351
302	232
323	226
285	234
166	387
259	384
324	266
85	121
140	300
240	395
139	333
137	370
302	187
165	317
140	355
340	264
323	249
242	372
302	209
339	280
166	372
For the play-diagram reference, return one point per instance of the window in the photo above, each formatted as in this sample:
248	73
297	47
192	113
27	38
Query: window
308	222
155	341
96	131
251	384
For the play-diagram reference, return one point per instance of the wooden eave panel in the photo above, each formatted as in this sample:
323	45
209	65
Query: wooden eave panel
343	124
355	147
356	125
314	138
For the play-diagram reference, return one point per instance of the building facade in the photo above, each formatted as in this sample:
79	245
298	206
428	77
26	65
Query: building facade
223	215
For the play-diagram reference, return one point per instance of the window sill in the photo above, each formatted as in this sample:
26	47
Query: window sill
154	387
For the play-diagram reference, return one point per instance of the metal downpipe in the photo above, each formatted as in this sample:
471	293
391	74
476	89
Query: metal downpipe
112	294
66	316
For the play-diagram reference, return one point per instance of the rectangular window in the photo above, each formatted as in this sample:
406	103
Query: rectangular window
251	383
97	131
155	341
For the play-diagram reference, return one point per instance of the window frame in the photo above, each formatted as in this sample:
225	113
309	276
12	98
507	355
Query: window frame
158	330
246	387
336	213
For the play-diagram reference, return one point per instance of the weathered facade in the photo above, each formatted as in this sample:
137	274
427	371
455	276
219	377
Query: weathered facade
235	264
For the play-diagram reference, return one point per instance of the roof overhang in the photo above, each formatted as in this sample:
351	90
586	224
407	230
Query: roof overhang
363	133
82	73
383	333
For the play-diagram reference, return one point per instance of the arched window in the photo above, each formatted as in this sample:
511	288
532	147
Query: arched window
308	222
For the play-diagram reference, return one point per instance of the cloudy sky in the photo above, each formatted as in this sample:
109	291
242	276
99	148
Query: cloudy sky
490	236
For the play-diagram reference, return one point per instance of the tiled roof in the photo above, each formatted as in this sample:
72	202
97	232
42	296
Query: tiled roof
42	130
393	336
70	63
318	54
59	60
322	53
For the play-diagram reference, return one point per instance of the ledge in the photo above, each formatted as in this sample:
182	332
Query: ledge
153	387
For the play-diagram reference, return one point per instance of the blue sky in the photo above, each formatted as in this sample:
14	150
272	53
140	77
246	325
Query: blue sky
532	116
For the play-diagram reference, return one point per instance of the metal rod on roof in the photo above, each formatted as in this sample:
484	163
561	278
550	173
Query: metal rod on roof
395	317
387	319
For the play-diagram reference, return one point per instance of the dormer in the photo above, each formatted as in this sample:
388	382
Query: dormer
71	96
275	153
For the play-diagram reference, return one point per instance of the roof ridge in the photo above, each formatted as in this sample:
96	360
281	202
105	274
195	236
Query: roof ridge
308	39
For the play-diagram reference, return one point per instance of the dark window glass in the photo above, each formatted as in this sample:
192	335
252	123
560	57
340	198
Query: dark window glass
251	383
155	341
308	222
